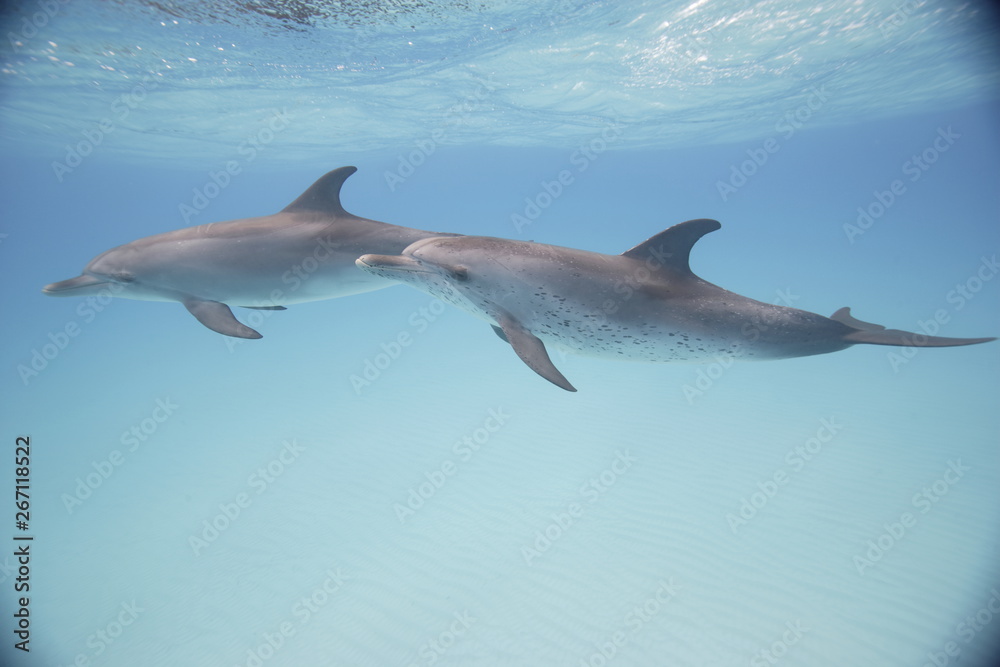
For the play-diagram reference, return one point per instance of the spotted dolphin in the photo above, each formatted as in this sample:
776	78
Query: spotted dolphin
645	304
305	252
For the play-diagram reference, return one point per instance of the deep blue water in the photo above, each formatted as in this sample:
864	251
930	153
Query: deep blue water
877	546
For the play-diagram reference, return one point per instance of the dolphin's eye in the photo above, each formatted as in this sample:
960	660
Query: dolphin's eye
461	274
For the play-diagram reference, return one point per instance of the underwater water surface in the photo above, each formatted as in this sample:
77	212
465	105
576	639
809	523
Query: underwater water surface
380	480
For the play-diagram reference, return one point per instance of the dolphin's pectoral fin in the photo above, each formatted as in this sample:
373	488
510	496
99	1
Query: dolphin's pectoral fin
499	332
671	248
217	317
876	334
265	307
531	350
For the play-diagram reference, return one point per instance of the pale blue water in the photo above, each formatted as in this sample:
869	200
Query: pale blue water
779	119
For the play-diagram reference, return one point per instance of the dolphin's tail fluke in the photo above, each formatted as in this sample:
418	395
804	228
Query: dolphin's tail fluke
876	334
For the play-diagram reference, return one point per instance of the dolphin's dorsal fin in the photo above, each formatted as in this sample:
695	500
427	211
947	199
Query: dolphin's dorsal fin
323	196
672	247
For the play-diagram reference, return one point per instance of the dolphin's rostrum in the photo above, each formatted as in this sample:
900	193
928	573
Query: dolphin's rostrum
305	252
644	304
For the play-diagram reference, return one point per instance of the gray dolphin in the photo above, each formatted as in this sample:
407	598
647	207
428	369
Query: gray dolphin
305	252
644	304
